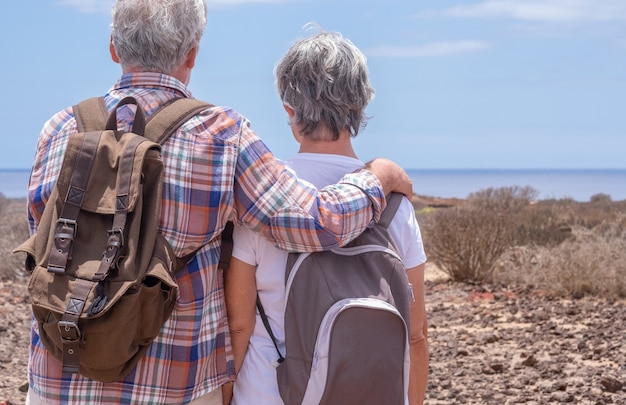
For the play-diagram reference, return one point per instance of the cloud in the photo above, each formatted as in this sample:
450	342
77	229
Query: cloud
427	50
104	6
541	10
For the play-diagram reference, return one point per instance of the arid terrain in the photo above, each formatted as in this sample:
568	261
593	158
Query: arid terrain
499	346
487	346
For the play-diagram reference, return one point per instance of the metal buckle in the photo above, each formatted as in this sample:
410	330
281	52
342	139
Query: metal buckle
56	269
69	331
116	237
69	223
111	254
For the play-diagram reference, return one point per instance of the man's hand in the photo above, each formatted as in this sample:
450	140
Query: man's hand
391	176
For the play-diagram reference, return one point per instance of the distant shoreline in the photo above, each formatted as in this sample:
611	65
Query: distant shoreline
575	184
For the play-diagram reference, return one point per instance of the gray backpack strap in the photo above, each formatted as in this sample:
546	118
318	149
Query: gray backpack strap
393	203
171	116
91	114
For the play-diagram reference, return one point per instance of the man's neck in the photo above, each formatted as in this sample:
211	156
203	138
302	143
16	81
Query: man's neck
180	73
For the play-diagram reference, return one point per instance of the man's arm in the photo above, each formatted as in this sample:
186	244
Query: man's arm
47	164
295	215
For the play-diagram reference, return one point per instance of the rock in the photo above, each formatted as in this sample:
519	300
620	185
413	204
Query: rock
611	384
562	397
530	361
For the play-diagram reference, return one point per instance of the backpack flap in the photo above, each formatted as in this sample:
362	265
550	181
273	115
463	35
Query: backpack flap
94	168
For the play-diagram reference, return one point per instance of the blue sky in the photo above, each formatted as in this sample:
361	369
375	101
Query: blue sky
459	83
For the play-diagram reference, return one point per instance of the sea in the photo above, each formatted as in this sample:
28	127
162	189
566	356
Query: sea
577	184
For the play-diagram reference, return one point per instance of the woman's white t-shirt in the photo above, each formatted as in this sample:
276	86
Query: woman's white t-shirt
256	381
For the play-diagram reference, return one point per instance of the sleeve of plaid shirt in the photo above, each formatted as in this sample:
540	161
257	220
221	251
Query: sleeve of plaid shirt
268	198
292	213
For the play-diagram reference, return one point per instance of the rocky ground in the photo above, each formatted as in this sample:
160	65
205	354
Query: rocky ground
14	335
495	346
488	346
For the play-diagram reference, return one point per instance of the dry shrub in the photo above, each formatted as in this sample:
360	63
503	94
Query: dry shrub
466	241
13	231
462	244
540	224
502	235
503	200
599	210
593	262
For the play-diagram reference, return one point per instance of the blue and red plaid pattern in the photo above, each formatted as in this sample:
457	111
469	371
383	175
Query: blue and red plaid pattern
216	169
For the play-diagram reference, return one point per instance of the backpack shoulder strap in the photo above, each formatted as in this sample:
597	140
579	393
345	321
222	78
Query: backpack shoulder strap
160	126
171	116
91	114
393	203
268	328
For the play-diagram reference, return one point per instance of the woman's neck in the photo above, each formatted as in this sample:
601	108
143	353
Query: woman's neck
342	146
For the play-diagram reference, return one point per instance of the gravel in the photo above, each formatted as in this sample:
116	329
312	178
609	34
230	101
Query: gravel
487	346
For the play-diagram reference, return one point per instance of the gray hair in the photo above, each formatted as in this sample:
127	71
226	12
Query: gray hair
156	35
324	79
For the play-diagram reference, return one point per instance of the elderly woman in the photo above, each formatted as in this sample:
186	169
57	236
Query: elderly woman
323	84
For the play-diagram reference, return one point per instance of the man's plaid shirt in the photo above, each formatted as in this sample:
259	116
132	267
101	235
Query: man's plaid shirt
216	169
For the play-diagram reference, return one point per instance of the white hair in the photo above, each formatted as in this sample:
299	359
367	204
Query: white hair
156	35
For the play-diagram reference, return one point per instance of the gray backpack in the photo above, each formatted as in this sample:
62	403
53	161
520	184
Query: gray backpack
347	323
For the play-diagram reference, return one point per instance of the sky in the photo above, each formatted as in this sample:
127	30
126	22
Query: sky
460	84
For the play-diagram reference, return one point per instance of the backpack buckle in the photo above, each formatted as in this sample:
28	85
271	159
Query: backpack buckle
111	254
69	331
116	237
62	227
64	234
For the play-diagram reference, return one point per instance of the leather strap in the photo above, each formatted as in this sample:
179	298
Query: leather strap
268	328
116	233
169	117
139	123
91	114
68	326
66	226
